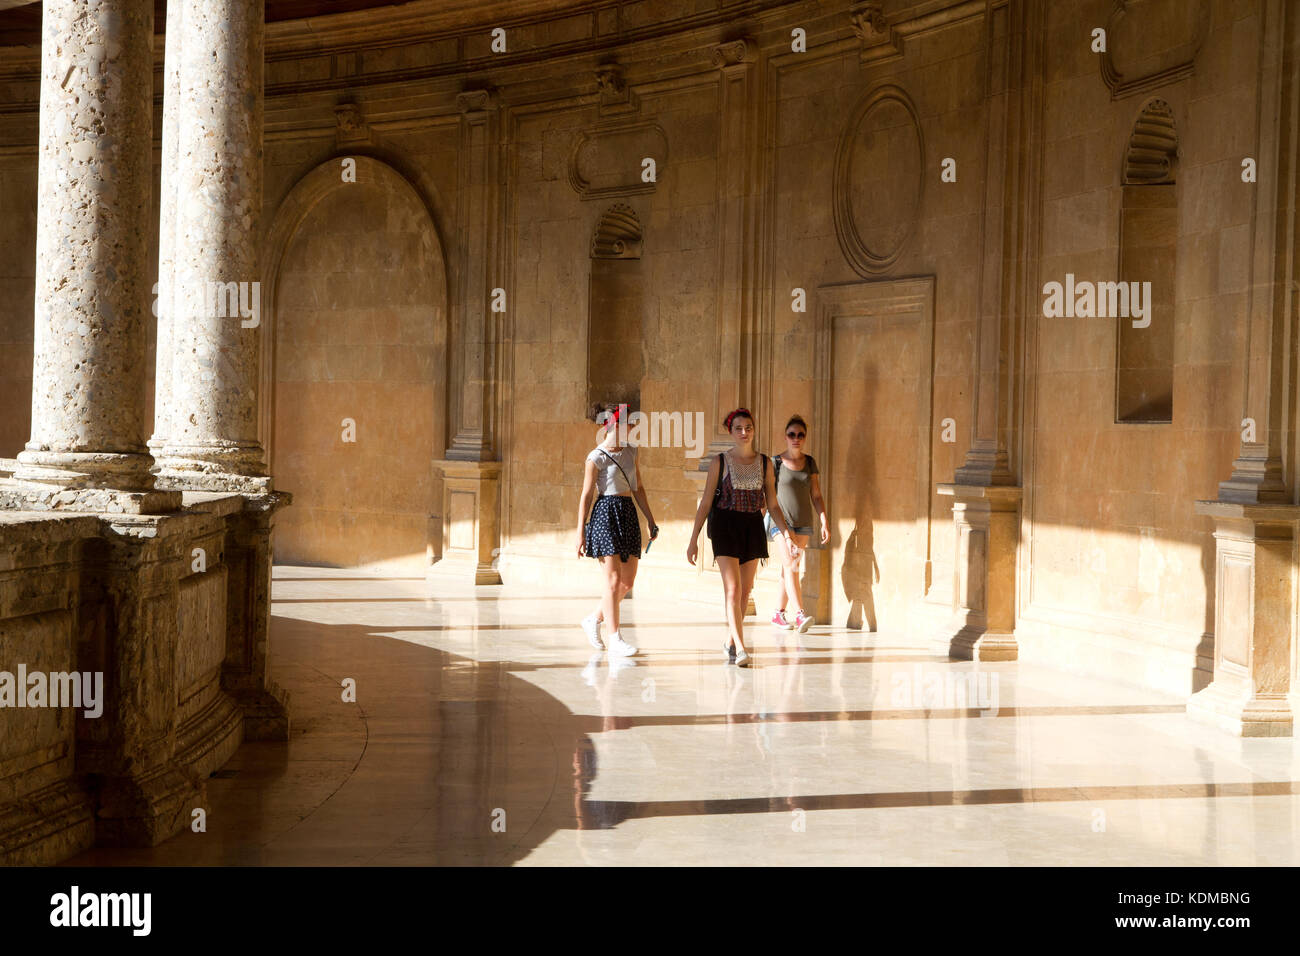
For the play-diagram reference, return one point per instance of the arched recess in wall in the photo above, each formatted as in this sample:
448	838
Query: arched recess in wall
1148	259
615	304
354	367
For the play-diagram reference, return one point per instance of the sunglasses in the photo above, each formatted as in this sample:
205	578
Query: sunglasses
794	435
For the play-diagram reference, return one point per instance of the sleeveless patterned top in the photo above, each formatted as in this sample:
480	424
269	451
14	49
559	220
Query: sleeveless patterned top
742	485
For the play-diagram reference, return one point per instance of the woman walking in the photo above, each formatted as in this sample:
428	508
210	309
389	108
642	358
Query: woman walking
799	496
738	488
612	533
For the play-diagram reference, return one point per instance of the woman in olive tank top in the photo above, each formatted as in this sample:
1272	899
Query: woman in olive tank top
799	497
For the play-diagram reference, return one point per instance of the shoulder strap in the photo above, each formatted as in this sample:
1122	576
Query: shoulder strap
618	466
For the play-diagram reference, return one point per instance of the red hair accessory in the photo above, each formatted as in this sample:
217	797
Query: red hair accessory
612	419
739	412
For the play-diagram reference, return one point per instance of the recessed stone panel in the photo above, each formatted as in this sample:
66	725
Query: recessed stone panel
878	175
611	162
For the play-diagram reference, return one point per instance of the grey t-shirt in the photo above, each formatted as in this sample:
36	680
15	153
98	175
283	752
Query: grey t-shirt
794	491
609	479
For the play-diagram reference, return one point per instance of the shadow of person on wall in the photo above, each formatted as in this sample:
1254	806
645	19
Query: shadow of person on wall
858	573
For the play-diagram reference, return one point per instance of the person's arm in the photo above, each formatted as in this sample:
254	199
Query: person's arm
584	502
644	501
815	486
774	508
702	512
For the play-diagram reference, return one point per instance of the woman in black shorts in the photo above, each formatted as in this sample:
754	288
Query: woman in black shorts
612	533
738	488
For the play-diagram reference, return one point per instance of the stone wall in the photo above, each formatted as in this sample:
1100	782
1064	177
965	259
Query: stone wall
170	612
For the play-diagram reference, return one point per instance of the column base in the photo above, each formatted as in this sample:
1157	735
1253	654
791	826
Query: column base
266	712
184	479
18	495
220	466
464	571
47	826
973	642
1242	715
144	812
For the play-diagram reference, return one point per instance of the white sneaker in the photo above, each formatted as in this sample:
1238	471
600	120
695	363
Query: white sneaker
591	624
619	646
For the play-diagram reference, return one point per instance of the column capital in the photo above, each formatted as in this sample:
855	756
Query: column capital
732	52
477	101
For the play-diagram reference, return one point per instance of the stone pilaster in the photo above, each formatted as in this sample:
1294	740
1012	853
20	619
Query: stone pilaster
985	493
87	450
1257	473
210	412
743	351
1256	514
477	332
471	533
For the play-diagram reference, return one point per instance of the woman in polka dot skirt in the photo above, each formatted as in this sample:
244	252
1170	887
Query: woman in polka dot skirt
612	533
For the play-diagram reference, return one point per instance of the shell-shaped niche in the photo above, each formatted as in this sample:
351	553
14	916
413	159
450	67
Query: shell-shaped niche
618	235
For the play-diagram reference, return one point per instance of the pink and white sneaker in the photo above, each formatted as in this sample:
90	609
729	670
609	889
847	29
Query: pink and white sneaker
778	620
802	622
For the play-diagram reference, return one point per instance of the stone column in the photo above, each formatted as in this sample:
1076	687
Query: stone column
167	225
1256	515
984	489
209	416
87	450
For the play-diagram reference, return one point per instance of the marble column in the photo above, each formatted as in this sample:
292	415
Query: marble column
208	416
87	450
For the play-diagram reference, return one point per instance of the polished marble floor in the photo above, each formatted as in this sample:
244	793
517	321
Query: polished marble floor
485	731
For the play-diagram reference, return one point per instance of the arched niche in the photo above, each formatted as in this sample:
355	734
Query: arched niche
354	374
615	306
1148	253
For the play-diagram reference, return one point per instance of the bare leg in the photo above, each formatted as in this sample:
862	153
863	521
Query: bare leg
626	577
792	569
747	572
609	602
730	569
785	591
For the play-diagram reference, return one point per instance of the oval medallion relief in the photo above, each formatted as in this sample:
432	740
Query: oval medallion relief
878	172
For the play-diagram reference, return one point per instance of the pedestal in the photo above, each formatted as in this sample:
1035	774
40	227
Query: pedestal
1254	620
986	524
471	531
